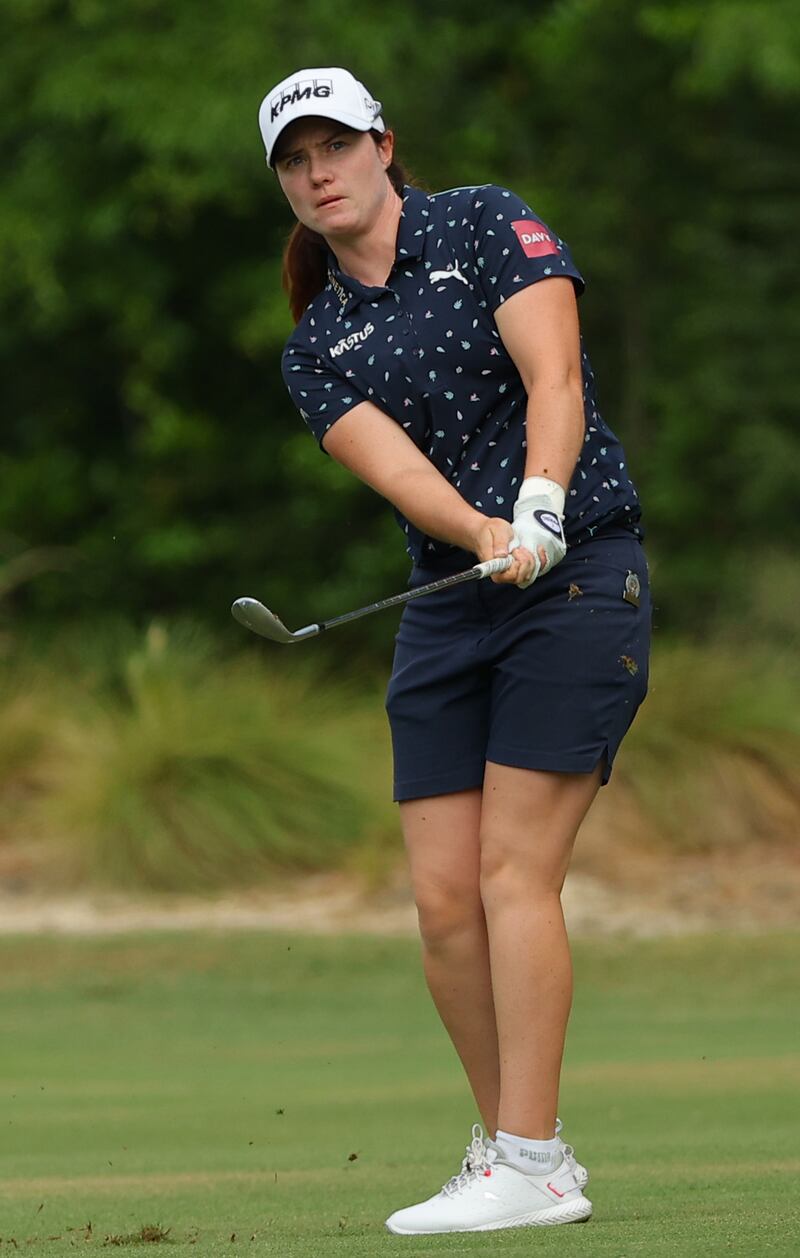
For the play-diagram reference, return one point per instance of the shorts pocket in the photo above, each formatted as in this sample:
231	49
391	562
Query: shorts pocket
616	565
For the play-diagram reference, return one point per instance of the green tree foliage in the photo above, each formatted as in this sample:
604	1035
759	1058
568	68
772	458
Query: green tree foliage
145	427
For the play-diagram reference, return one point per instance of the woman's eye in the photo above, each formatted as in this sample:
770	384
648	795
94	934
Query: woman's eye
338	144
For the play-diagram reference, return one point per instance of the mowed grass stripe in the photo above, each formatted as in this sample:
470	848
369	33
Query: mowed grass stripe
155	1183
756	1073
295	1091
159	1183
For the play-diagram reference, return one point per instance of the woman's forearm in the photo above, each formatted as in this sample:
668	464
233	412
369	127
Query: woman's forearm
555	430
380	453
434	506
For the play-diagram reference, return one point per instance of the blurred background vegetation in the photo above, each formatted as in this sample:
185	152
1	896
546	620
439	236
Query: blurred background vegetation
152	468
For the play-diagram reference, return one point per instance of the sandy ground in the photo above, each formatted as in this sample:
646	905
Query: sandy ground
318	904
752	892
624	879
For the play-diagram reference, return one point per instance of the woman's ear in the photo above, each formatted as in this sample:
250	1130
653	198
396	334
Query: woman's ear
386	148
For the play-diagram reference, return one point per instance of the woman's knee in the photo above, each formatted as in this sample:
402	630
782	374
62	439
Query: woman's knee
447	910
441	837
521	866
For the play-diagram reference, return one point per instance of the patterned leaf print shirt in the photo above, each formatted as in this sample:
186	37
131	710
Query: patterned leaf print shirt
425	349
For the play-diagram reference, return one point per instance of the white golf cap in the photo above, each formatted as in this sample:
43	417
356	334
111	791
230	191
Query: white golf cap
323	93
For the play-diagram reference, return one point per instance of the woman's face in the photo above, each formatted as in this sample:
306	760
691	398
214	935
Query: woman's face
334	178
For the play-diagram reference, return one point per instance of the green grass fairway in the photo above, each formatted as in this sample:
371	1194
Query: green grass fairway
269	1094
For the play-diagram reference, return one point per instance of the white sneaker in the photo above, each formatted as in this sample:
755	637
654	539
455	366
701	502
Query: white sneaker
580	1172
489	1193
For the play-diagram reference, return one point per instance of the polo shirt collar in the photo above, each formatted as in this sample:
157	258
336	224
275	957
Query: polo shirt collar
410	244
413	221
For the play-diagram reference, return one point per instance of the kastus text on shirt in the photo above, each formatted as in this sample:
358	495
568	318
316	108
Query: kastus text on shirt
437	365
355	338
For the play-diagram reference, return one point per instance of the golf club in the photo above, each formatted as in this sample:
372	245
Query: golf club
258	618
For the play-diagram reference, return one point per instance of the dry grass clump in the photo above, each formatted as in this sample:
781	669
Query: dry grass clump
714	755
183	769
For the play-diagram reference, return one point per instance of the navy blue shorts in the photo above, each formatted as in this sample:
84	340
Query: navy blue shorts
544	678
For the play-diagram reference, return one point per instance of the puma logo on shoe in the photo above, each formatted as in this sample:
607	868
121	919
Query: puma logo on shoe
452	273
537	1157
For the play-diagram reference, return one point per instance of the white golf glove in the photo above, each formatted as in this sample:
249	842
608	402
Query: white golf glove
538	515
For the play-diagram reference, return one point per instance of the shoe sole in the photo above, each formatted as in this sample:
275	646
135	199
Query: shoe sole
570	1212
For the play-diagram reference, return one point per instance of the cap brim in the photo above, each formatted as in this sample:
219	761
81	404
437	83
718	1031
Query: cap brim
314	111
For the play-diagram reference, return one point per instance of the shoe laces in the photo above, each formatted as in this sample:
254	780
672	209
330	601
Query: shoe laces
476	1162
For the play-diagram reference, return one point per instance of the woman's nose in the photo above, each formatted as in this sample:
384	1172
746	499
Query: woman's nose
317	171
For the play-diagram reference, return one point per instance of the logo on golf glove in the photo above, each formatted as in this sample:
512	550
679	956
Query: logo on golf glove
550	521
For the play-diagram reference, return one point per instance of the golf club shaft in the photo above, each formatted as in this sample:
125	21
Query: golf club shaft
259	619
480	570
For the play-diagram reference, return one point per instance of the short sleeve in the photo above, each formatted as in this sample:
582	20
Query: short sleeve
514	247
318	391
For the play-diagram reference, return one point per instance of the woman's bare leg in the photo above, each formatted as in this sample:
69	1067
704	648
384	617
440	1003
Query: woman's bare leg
529	820
441	834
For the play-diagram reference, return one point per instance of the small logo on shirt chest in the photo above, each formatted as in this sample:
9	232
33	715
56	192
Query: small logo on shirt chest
349	342
452	273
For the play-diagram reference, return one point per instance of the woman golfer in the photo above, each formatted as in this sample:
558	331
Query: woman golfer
437	355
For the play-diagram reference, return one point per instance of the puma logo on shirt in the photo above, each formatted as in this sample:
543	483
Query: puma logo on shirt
452	273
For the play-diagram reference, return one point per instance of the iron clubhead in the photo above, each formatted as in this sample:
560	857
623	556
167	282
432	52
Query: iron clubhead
259	619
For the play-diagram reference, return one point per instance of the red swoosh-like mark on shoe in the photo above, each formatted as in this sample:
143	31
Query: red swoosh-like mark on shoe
555	1190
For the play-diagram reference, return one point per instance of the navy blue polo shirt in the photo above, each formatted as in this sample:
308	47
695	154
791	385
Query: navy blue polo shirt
425	349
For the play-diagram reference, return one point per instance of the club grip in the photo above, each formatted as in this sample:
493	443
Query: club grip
490	566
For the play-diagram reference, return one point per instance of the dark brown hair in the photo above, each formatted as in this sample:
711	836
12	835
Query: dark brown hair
305	258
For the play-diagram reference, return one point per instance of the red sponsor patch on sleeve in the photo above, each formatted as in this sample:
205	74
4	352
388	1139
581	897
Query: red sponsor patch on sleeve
534	238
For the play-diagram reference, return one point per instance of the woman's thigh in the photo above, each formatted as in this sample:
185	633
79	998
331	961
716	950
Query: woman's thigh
529	820
521	824
442	839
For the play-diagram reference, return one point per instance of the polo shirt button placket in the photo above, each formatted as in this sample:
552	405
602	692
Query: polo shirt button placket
404	315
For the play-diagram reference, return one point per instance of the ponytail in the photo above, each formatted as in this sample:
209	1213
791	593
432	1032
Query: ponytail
305	258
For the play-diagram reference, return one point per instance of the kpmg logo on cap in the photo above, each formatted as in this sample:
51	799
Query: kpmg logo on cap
303	89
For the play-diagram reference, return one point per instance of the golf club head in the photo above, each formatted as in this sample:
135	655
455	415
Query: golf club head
259	619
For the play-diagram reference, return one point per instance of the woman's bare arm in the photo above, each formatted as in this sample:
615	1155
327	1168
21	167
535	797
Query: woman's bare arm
380	453
539	328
